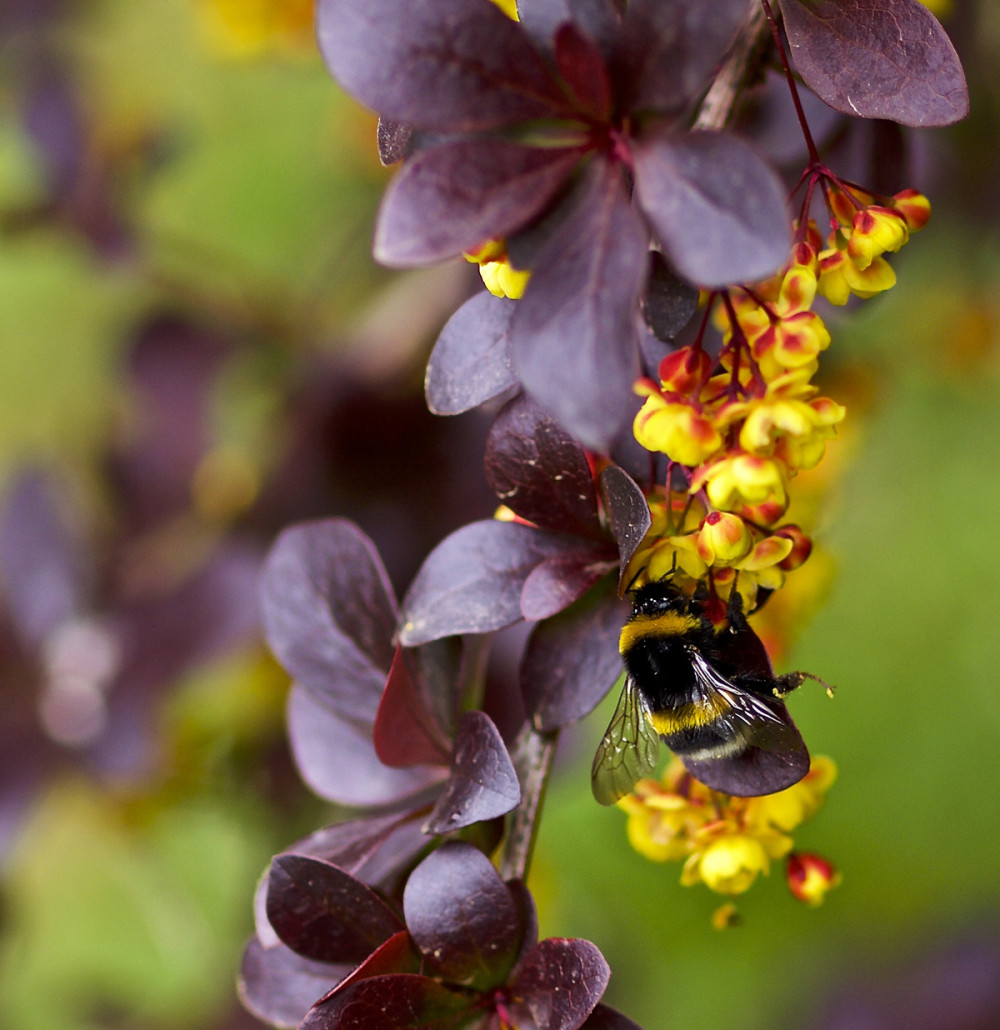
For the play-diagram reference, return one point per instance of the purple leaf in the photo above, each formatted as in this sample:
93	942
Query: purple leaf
279	986
470	362
446	65
372	849
472	581
329	614
573	337
627	512
405	733
482	785
325	914
455	196
540	472
398	1001
462	916
559	983
888	60
715	205
556	583
668	50
337	759
572	660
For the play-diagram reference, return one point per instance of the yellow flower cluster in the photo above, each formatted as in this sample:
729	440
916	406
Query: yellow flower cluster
499	276
853	262
727	842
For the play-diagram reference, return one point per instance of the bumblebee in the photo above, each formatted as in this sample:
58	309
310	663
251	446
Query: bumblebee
708	691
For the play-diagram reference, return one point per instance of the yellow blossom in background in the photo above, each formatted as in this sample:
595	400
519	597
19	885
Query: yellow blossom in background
245	29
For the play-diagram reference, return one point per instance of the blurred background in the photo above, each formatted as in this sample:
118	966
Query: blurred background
196	350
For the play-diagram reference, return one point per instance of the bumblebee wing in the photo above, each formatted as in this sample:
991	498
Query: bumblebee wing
756	718
773	755
628	751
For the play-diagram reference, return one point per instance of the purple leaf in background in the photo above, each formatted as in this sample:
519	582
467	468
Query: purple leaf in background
279	987
336	757
470	362
889	60
715	189
573	339
445	65
504	185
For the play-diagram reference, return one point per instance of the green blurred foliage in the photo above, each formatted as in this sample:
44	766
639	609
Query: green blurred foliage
249	191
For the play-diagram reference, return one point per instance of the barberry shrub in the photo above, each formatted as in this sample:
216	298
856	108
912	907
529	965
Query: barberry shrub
648	341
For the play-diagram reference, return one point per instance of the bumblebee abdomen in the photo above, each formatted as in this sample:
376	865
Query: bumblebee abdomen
699	728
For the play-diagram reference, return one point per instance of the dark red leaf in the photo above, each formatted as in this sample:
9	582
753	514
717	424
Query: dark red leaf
399	1001
405	733
582	67
627	512
396	955
279	986
462	916
668	50
483	784
329	614
559	983
444	65
888	60
472	581
556	583
325	914
336	757
455	196
715	204
573	338
470	362
540	472
572	660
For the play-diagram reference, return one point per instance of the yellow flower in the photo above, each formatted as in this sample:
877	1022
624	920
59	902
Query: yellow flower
723	538
840	277
503	280
676	430
740	479
731	862
875	231
792	806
